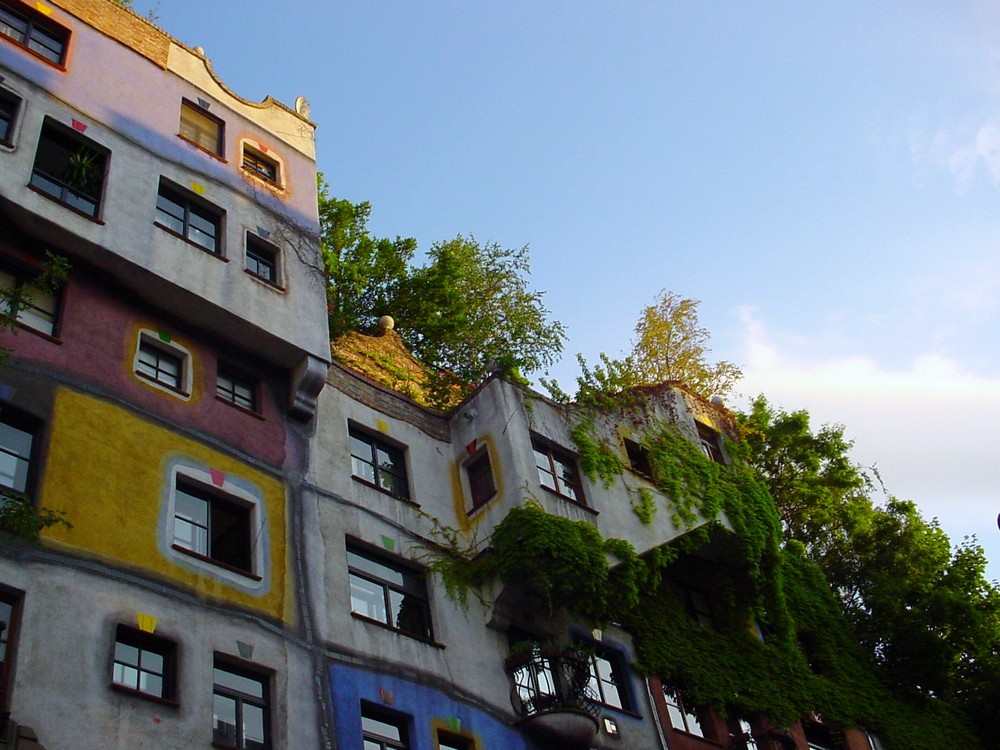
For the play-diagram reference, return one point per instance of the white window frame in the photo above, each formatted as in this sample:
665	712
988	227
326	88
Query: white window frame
152	338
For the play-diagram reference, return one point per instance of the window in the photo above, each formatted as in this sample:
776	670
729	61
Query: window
698	606
387	592
262	259
201	128
160	365
450	741
17	435
9	106
30	305
183	214
69	168
376	462
33	31
259	165
382	731
10	622
144	663
741	734
710	443
682	718
236	389
240	707
557	470
607	677
212	526
480	474
638	458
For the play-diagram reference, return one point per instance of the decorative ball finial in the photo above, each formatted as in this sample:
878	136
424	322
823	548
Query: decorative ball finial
385	323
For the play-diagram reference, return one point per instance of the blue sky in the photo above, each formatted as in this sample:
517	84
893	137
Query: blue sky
822	176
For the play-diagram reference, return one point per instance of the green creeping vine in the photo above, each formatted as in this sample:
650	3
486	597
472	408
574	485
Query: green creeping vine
18	516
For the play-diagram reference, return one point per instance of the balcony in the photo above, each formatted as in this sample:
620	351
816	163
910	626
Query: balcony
552	697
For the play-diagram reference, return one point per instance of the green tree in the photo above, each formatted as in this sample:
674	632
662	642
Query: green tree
671	344
468	311
921	606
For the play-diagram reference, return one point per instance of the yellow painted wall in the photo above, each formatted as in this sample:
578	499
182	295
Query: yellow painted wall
108	470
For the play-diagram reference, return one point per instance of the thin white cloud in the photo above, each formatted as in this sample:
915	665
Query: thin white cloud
930	427
965	155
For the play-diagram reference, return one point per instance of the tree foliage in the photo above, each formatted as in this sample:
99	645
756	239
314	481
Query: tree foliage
671	344
468	310
921	606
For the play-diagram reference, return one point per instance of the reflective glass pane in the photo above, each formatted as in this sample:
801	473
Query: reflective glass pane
253	726
224	720
368	599
239	683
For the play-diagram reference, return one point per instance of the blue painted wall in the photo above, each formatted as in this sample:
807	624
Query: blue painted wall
427	708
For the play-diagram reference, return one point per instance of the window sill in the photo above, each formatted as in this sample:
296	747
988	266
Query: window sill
192	243
271	185
391	629
144	696
203	149
217	563
58	66
384	491
68	207
41	334
568	499
264	280
160	384
243	409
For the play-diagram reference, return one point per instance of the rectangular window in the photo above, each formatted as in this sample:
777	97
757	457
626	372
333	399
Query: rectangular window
638	459
451	741
390	593
10	623
160	365
201	128
262	258
682	718
698	606
144	663
9	107
260	165
382	731
378	463
557	470
186	216
33	31
607	677
212	526
236	389
69	168
240	707
711	443
28	303
17	436
480	473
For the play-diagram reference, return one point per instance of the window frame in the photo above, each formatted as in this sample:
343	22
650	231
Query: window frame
256	157
10	115
400	722
154	340
445	739
55	138
254	248
679	713
638	459
238	381
477	469
558	458
699	606
144	642
9	638
245	672
221	506
36	25
710	442
378	445
198	111
190	205
410	587
21	302
617	664
28	425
